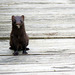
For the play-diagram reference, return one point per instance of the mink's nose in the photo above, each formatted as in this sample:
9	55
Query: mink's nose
18	23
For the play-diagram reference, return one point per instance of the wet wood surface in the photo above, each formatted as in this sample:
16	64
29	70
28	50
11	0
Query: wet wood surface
46	56
44	19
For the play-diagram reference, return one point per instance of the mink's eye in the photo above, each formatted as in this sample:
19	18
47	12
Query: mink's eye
14	21
21	21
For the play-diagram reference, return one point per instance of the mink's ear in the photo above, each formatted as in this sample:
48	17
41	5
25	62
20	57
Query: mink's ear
22	17
13	17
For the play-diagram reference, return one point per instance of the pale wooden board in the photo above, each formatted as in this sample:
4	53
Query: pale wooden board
41	73
29	68
47	18
42	46
46	56
43	19
34	1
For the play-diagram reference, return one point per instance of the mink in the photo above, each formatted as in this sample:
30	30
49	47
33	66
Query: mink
19	39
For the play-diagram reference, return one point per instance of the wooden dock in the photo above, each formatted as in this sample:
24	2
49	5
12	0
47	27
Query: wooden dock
50	25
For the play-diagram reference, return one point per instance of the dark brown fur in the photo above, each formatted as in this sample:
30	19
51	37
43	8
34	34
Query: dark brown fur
18	37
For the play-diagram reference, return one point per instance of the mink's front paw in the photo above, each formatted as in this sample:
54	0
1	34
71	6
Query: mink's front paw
24	52
27	49
15	53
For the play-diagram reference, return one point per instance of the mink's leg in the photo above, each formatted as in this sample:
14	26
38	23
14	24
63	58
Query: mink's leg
27	49
24	50
16	51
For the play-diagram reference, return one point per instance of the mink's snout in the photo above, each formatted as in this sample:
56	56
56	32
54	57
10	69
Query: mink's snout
18	26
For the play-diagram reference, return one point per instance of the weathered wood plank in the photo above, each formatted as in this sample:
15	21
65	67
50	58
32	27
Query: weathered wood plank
44	19
34	1
44	34
29	68
43	46
50	17
37	6
45	56
50	65
41	73
61	59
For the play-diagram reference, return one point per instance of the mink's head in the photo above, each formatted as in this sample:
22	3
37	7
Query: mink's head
18	21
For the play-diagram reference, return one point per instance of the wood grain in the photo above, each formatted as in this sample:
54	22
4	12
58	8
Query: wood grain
46	56
43	19
46	21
